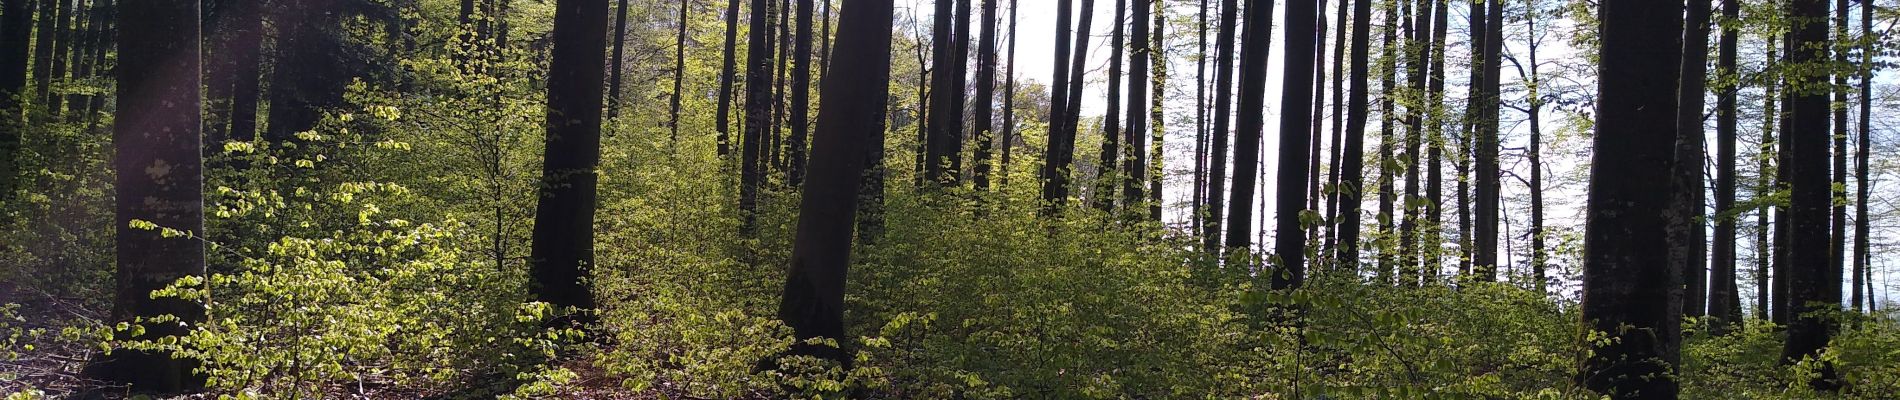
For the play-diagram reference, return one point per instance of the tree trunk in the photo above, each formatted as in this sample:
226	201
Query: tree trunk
679	77
306	78
62	29
1197	203
1253	91
1764	187
247	53
1314	157
1223	109
1352	156
943	142
1435	139
1388	83
1009	102
1863	259
15	30
1724	300
1110	179
1055	168
43	51
1837	238
775	142
1417	69
1138	51
813	302
75	55
1339	133
1628	292
1809	282
1296	135
1485	255
985	106
1158	124
563	249
801	95
618	61
1077	70
758	114
1688	240
723	120
157	129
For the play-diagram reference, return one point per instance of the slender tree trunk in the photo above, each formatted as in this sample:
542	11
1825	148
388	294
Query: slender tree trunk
1765	184
1536	156
775	143
1055	169
1009	102
1110	178
75	56
305	79
43	50
161	182
679	77
1314	157
943	142
813	302
1388	111
563	248
1724	299
1223	109
1138	51
62	30
1158	129
1339	133
723	120
1809	282
1251	121
758	114
1352	156
1416	69
985	105
619	61
15	30
1688	240
1435	140
1628	292
960	97
1488	176
1863	259
1837	238
801	95
1196	204
1078	71
1296	134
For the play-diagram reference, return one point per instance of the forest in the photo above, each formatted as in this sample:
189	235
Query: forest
930	199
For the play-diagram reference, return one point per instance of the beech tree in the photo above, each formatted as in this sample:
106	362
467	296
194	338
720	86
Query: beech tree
1352	158
722	122
1629	293
758	115
1109	177
1725	304
1253	92
1223	107
801	95
160	183
15	29
985	98
1810	285
1687	229
813	301
562	253
1296	133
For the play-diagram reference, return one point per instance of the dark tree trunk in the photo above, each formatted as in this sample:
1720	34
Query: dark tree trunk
1314	155
960	97
1110	178
758	115
679	77
238	40
107	32
563	249
1628	292
1536	158
1340	59
1724	300
1352	156
723	120
775	141
1811	191
801	95
1837	238
1055	167
1223	107
985	105
1765	308
1138	51
1196	204
1253	92
618	61
1388	117
1077	67
307	77
1687	223
43	51
1435	139
1419	58
1485	192
1862	258
943	143
1296	134
15	30
74	56
247	53
62	30
1009	101
1158	123
157	130
813	304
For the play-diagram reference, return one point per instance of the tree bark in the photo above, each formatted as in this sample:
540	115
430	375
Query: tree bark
1388	111
1133	195
1863	259
1628	292
1435	139
1688	239
985	106
1806	140
723	120
15	30
1487	174
1339	133
306	78
943	142
801	95
618	61
1764	187
1837	238
160	181
758	115
1157	122
1251	121
1724	299
1196	204
1223	109
1055	167
813	302
563	248
1296	134
1009	102
43	50
1110	178
1352	158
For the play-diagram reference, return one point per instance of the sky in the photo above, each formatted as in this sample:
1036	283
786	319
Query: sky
1564	199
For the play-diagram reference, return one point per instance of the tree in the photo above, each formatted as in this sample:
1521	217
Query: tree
563	248
43	50
679	77
1388	111
944	142
985	97
1687	236
236	44
801	94
1811	190
15	29
1352	158
1223	107
311	70
1485	149
619	60
1339	132
1724	299
1628	293
1158	128
723	118
813	304
1110	178
160	182
1138	51
1837	237
1055	168
1535	153
758	114
1253	91
1764	185
1862	258
1009	100
1197	202
1417	69
1296	134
